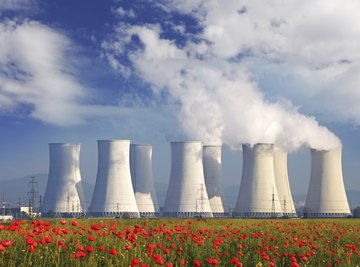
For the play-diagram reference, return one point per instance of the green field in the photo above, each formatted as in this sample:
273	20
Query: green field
177	242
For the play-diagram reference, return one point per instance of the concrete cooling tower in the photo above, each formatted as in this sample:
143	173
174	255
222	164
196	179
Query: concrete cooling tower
282	183
187	195
113	194
326	195
61	194
213	178
258	197
143	180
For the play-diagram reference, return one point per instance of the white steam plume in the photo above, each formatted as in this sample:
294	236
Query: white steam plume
219	101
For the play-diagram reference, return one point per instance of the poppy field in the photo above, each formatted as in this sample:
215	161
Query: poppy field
180	242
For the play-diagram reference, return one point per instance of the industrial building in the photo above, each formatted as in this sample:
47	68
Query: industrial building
64	181
187	195
143	180
326	195
282	183
125	185
213	178
258	196
113	194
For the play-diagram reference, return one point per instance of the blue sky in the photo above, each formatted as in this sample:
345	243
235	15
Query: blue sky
244	72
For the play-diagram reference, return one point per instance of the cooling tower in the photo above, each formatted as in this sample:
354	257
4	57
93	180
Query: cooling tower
113	194
61	195
326	195
143	180
187	195
258	197
213	178
282	183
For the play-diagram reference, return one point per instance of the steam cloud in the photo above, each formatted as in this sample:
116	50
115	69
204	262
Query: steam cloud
219	100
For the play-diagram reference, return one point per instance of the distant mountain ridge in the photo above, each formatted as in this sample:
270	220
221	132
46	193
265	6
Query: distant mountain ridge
16	190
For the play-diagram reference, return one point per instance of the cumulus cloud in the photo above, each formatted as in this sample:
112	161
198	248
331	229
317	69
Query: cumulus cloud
36	72
212	76
16	4
39	78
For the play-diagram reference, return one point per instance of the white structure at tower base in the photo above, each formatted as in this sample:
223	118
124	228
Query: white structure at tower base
258	197
213	178
143	180
326	197
282	183
113	194
187	195
61	194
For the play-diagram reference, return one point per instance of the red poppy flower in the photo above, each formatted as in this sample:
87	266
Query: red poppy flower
7	243
113	252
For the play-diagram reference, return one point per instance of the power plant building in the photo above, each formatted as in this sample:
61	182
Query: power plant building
187	195
258	196
282	183
143	180
326	195
213	178
61	194
113	194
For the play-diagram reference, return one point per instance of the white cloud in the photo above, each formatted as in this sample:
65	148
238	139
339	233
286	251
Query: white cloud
15	4
124	13
36	71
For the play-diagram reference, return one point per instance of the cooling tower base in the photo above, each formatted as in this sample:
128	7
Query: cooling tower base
220	214
114	214
63	214
188	214
149	214
257	214
327	215
289	215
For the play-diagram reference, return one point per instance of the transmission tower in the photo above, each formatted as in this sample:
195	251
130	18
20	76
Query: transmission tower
33	194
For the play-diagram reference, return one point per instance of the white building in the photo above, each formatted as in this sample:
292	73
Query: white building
326	195
282	183
213	178
258	197
187	195
61	194
143	180
113	194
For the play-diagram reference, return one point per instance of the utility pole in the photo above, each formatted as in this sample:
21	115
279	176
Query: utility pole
68	202
3	203
273	203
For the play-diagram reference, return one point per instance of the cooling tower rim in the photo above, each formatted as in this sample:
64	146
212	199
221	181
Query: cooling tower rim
114	141
326	150
185	142
212	145
63	144
257	144
146	145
